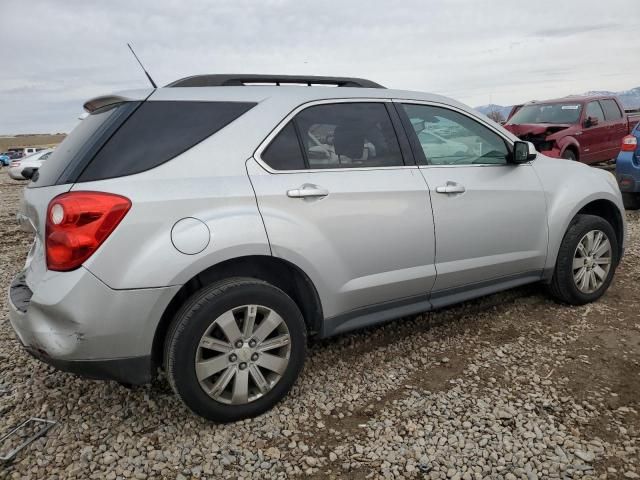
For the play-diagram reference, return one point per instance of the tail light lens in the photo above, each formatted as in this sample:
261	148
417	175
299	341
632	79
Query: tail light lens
629	143
78	223
15	164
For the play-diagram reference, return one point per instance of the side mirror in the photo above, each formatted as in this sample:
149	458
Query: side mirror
590	122
523	152
29	172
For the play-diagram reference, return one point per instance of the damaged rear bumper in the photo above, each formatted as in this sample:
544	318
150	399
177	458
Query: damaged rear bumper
76	323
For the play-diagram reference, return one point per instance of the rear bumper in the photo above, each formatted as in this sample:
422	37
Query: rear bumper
628	171
133	370
76	323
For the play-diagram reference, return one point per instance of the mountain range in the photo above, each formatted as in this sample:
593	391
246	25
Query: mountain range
629	99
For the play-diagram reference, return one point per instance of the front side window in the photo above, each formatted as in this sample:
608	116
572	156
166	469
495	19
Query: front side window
611	110
594	110
341	135
450	138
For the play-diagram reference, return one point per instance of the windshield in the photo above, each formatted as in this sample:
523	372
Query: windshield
547	113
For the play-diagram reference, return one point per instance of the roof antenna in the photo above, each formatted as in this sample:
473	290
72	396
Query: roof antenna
142	66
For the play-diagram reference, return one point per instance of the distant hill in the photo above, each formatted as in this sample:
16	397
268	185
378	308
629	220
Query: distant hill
629	99
30	140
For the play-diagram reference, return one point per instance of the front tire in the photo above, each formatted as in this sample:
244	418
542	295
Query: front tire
586	261
235	349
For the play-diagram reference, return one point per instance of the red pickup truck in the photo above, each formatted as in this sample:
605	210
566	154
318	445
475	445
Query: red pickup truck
588	129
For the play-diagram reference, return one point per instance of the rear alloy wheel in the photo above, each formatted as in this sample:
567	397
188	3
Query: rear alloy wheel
569	155
235	349
586	261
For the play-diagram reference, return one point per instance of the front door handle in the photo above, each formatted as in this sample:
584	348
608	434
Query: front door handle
450	187
307	191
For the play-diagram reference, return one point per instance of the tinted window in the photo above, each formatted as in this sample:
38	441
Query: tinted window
611	110
157	132
447	137
594	111
79	147
284	152
348	135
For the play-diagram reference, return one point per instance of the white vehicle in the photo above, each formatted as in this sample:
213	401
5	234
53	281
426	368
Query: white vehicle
34	160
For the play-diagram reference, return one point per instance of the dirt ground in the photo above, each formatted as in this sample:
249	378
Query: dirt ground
513	385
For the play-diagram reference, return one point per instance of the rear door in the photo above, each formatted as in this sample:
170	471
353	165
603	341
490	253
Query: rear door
617	126
340	199
490	215
595	139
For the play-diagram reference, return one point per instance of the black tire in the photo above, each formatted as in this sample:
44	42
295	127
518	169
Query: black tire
631	201
569	155
562	285
197	314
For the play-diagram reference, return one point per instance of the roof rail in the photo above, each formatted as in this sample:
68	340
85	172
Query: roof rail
229	80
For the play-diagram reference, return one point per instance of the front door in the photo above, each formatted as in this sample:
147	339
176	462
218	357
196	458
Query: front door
339	201
490	215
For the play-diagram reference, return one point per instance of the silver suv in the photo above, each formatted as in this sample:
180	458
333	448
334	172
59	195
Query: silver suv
210	227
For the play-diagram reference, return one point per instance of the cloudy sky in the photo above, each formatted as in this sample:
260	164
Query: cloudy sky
57	54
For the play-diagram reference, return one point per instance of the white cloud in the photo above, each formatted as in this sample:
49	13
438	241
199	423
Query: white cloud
58	54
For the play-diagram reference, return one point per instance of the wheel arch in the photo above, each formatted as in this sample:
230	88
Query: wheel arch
609	211
276	271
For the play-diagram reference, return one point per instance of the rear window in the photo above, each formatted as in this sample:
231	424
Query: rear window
73	154
157	132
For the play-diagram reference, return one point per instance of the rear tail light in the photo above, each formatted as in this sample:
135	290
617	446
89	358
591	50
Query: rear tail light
15	164
78	223
629	143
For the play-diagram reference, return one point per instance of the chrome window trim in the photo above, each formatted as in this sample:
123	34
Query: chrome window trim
470	117
257	155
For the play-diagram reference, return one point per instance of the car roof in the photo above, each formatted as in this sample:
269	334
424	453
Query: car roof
571	99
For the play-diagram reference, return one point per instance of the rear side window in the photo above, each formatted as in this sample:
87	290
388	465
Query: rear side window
73	154
157	132
611	110
284	152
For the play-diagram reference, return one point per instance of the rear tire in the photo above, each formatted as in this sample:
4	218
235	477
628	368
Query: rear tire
567	284
631	201
569	155
212	373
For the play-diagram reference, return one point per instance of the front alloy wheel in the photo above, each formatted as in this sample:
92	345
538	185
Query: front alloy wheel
586	260
592	261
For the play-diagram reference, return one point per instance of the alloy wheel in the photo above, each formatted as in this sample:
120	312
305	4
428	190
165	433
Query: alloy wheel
592	261
243	354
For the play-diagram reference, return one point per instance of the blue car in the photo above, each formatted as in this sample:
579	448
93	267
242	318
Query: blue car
4	159
628	169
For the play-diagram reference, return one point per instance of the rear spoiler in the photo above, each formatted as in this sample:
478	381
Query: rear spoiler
94	104
103	101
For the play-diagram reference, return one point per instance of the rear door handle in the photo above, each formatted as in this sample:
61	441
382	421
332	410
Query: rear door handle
450	187
307	190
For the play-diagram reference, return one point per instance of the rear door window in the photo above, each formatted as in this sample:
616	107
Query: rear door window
611	110
348	135
284	152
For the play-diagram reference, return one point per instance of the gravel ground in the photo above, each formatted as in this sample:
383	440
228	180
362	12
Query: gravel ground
510	386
